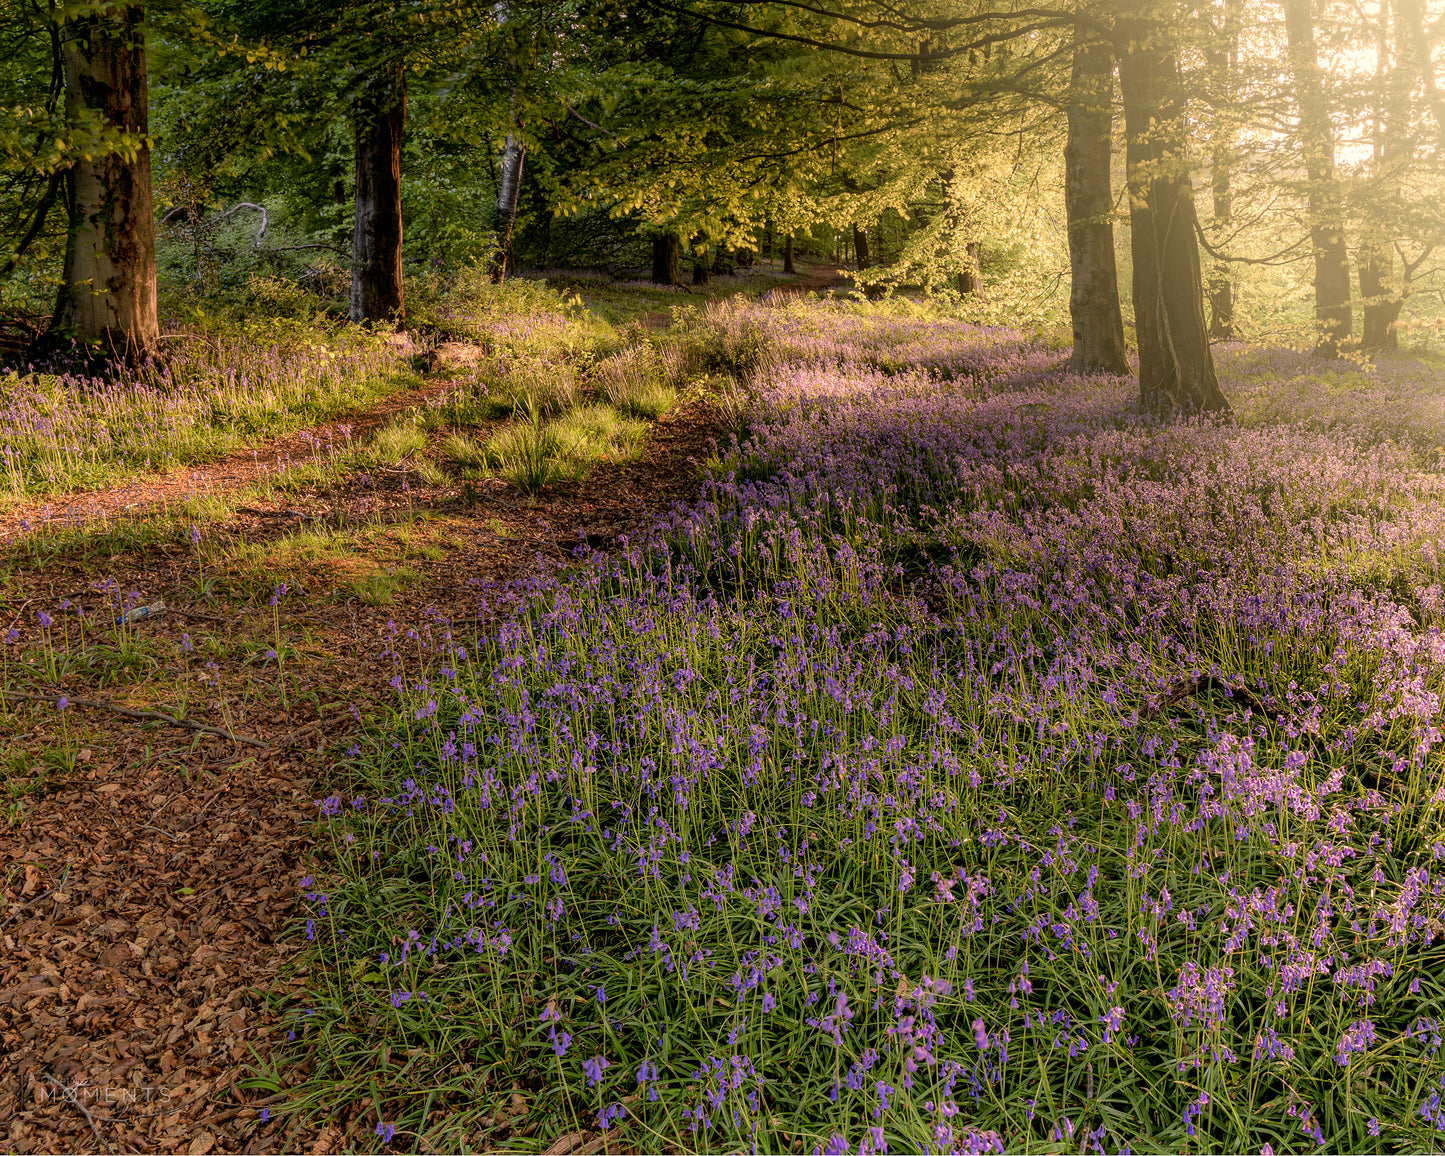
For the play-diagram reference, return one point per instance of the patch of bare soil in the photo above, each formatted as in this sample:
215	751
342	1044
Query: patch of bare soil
148	900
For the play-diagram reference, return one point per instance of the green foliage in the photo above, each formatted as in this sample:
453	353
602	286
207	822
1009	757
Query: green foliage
528	453
635	381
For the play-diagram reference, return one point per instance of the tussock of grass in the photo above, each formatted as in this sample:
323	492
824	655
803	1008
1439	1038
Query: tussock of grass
466	451
528	454
395	442
597	433
635	382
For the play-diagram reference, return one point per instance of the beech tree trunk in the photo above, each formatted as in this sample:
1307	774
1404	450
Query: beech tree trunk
1223	64
1334	316
1411	17
1221	283
701	265
1176	368
107	296
666	259
1098	322
970	278
1382	295
788	255
1381	300
376	274
860	247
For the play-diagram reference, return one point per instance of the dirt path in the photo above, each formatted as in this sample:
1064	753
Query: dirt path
149	873
149	897
245	467
230	474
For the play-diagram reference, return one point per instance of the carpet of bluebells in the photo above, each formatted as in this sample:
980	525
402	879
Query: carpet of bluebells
981	765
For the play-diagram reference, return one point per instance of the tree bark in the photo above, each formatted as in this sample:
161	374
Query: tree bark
970	278
666	259
376	273
701	265
509	189
1176	368
860	247
788	255
1098	322
1382	296
1411	17
1223	65
1334	316
107	296
1221	282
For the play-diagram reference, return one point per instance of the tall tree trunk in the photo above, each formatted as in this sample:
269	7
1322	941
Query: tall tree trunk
1334	316
376	274
788	255
1098	321
108	293
860	246
666	259
509	188
1381	295
1381	302
1376	249
1221	281
701	265
970	278
1223	65
1411	17
1176	368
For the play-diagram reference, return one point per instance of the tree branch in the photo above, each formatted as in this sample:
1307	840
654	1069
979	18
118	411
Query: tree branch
1272	259
1048	20
144	715
37	222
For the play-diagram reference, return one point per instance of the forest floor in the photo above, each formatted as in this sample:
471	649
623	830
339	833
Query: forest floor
160	821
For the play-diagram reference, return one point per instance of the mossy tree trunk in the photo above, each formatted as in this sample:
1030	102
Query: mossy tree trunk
107	297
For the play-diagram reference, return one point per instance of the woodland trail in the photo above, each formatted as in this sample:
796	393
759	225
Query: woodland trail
149	900
228	475
245	467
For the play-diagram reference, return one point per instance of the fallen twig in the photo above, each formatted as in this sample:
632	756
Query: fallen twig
219	1117
1193	684
565	1144
43	895
69	1097
144	715
290	739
